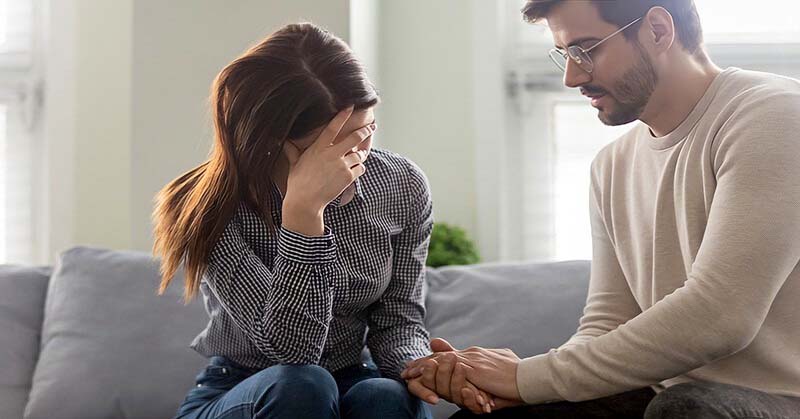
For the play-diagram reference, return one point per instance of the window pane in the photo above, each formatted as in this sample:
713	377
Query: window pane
579	136
745	20
730	21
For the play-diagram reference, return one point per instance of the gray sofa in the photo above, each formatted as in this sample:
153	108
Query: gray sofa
90	338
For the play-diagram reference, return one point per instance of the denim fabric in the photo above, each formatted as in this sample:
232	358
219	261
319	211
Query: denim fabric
697	400
226	390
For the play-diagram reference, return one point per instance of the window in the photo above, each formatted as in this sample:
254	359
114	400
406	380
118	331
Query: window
18	139
767	21
559	133
579	136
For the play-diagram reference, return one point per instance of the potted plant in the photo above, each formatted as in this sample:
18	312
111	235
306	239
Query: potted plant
450	246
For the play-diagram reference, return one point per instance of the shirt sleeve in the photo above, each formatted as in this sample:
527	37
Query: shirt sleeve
750	246
396	321
285	311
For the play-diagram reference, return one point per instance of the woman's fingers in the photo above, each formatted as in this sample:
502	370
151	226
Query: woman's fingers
355	138
333	128
418	389
354	158
358	170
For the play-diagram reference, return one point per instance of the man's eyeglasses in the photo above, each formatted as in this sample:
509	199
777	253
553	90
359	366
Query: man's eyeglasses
579	55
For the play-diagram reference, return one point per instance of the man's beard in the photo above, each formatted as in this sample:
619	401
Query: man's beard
631	92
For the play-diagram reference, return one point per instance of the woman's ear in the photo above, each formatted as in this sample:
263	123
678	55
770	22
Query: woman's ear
660	29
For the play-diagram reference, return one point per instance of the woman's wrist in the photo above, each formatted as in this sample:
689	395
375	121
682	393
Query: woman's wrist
304	219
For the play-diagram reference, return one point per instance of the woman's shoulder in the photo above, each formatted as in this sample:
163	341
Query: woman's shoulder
392	167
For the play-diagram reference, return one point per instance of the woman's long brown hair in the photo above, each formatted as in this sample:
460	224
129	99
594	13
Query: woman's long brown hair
291	83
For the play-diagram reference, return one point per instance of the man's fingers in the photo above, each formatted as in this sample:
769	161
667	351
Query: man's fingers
470	401
334	127
428	377
457	382
486	401
441	345
479	397
418	389
443	376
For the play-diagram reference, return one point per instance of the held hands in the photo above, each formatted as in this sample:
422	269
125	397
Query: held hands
320	173
482	380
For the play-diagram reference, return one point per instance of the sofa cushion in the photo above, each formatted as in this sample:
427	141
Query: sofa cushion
526	307
112	348
22	293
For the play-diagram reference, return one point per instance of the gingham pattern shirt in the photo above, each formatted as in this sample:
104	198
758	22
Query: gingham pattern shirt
285	298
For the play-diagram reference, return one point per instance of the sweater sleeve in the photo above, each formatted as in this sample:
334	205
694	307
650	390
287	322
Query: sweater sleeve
750	246
609	302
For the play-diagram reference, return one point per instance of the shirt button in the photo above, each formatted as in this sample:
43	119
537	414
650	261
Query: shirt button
364	365
199	385
224	370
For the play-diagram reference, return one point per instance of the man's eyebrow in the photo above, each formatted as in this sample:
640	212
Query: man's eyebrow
579	41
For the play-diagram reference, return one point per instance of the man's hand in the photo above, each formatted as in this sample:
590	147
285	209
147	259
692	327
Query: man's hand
446	378
491	370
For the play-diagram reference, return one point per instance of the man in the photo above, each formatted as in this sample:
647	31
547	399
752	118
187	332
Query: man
695	217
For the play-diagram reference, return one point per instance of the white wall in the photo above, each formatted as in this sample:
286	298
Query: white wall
126	86
425	72
88	123
178	48
439	72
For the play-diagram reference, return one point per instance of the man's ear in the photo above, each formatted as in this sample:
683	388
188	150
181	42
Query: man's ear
659	29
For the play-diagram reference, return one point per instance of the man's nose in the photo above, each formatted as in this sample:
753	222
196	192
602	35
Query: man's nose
574	75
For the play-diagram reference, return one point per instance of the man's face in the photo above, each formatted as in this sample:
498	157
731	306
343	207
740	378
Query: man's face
623	77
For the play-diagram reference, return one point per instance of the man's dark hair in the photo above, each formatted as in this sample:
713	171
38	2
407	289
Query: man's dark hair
621	12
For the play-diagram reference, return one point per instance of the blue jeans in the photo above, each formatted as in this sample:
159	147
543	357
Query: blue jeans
226	390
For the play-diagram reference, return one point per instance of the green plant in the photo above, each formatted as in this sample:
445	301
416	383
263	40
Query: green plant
451	246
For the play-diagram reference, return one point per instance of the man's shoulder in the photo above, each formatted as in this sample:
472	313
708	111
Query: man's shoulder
746	90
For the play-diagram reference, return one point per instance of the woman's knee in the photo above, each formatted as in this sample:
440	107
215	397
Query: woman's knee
297	390
380	396
683	400
307	380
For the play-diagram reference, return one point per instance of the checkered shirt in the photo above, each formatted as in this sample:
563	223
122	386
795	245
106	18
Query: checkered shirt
279	297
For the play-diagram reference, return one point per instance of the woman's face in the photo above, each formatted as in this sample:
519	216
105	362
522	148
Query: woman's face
357	120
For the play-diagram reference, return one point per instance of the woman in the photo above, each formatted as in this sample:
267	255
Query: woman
303	248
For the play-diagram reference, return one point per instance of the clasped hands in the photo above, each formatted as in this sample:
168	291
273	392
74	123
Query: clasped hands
481	380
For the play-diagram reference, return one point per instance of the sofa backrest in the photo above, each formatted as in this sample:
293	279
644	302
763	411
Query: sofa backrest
22	293
111	348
